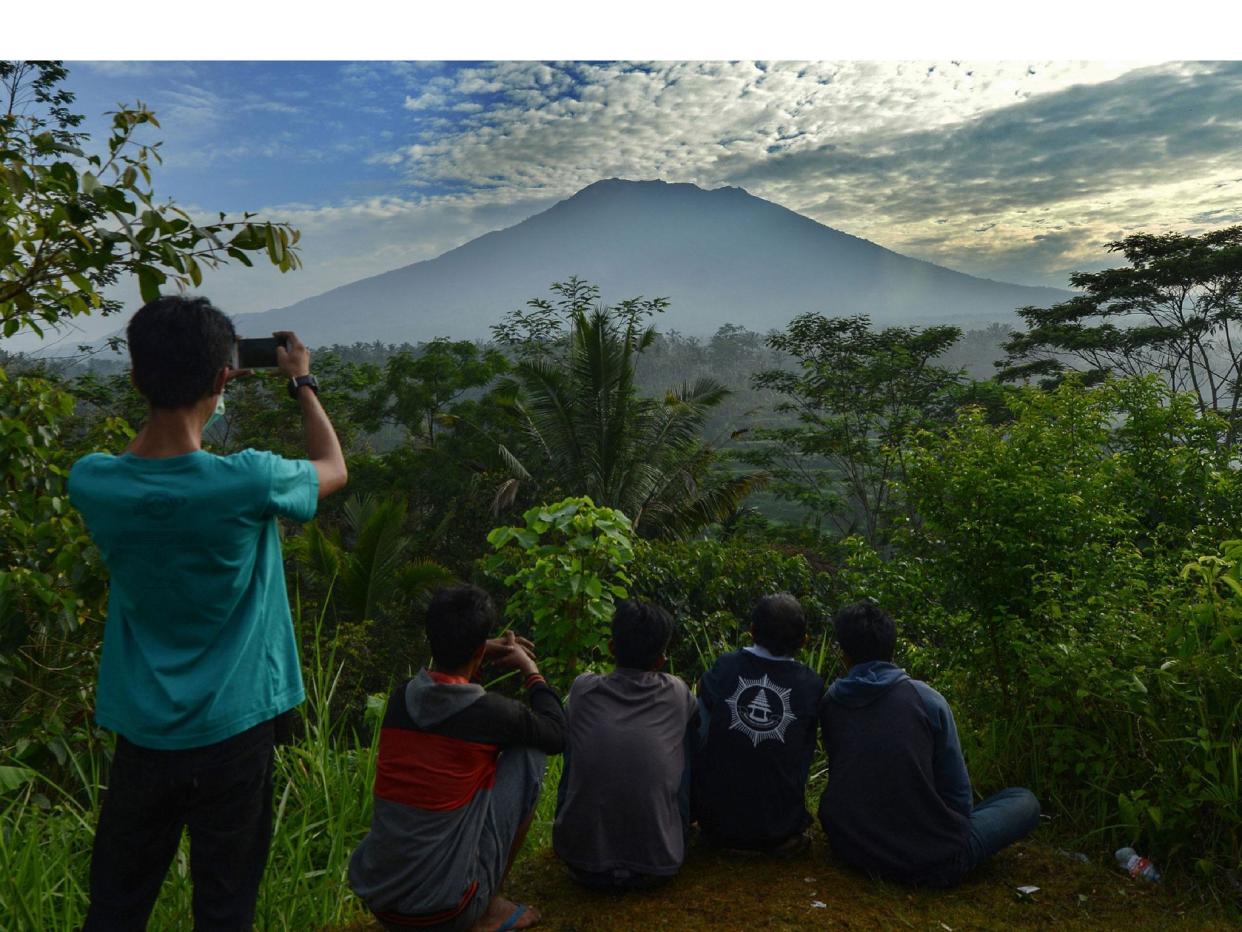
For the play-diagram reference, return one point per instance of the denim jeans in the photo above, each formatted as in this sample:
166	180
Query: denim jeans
999	821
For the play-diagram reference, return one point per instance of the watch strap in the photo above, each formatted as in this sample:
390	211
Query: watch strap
308	381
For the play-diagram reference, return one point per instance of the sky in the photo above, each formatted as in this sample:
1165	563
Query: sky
1020	171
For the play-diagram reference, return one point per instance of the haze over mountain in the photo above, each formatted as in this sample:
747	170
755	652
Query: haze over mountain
720	256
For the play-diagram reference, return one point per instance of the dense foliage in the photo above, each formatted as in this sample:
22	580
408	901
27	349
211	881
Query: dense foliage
590	430
1088	652
566	567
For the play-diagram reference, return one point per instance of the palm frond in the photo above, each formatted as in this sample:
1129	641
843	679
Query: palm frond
368	577
422	576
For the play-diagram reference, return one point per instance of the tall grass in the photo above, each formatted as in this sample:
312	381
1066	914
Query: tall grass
323	786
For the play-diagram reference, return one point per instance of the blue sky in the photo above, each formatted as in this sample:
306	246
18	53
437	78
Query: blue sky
1019	171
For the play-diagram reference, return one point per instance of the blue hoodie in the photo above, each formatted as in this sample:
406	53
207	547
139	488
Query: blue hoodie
898	800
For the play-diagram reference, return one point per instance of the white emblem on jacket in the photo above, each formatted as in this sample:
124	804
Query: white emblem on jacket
760	709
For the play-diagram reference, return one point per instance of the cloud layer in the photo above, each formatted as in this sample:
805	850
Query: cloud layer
1012	170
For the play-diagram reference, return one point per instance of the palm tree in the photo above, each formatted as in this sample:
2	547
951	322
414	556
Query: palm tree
368	566
592	433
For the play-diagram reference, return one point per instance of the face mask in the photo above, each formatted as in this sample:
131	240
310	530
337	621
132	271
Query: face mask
216	414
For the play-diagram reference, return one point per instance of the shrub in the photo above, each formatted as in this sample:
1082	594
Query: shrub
710	587
565	568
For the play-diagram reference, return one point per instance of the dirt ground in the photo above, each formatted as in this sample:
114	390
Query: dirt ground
716	890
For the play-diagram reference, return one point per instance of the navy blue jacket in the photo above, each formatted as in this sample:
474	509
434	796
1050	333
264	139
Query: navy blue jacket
898	800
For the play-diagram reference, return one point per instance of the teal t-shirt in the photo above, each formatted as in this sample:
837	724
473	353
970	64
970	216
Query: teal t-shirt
199	644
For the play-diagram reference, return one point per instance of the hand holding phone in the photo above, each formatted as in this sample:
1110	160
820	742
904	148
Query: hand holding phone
258	352
293	357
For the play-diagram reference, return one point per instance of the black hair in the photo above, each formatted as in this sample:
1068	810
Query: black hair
177	345
640	634
459	619
778	623
865	632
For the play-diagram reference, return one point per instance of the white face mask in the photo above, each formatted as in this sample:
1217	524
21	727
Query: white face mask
216	414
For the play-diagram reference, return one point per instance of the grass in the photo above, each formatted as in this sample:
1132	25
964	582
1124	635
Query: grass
323	803
322	790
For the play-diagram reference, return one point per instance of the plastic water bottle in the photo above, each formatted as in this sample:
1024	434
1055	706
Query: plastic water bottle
1129	861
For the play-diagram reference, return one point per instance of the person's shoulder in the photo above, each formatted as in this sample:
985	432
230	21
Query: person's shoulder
492	704
664	687
89	468
583	683
808	674
726	665
926	689
729	660
264	464
93	461
674	684
933	702
249	458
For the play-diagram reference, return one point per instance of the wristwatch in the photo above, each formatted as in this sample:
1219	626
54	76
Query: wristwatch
309	381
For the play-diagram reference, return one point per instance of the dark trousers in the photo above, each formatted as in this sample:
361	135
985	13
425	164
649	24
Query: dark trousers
222	793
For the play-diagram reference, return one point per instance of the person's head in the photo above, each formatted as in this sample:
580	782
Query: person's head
778	624
459	619
865	632
180	349
640	635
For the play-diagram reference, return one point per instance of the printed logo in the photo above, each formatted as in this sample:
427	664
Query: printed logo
158	505
760	710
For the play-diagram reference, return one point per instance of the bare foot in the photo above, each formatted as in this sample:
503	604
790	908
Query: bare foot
499	910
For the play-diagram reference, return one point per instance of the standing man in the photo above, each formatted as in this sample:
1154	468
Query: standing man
199	659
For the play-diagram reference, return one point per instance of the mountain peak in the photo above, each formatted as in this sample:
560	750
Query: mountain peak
720	256
631	186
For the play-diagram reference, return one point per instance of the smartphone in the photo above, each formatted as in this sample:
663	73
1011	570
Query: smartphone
258	352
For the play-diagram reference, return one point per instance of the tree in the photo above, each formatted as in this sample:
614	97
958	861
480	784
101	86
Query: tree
588	430
73	223
1175	311
854	396
419	390
368	566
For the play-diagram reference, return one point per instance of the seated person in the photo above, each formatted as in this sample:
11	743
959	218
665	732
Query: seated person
619	821
748	781
457	778
898	802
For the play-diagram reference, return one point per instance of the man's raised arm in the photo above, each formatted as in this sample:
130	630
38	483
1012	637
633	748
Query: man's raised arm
323	449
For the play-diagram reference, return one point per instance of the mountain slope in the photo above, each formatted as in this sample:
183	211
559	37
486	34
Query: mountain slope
721	256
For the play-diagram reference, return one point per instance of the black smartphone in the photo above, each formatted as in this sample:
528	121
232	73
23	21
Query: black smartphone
258	352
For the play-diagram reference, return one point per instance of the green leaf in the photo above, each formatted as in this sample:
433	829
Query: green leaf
149	281
12	778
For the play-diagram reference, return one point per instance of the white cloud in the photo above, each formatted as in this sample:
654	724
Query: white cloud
270	106
700	121
556	128
425	101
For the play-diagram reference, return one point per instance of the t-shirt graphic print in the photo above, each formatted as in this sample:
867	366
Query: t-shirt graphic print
760	710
